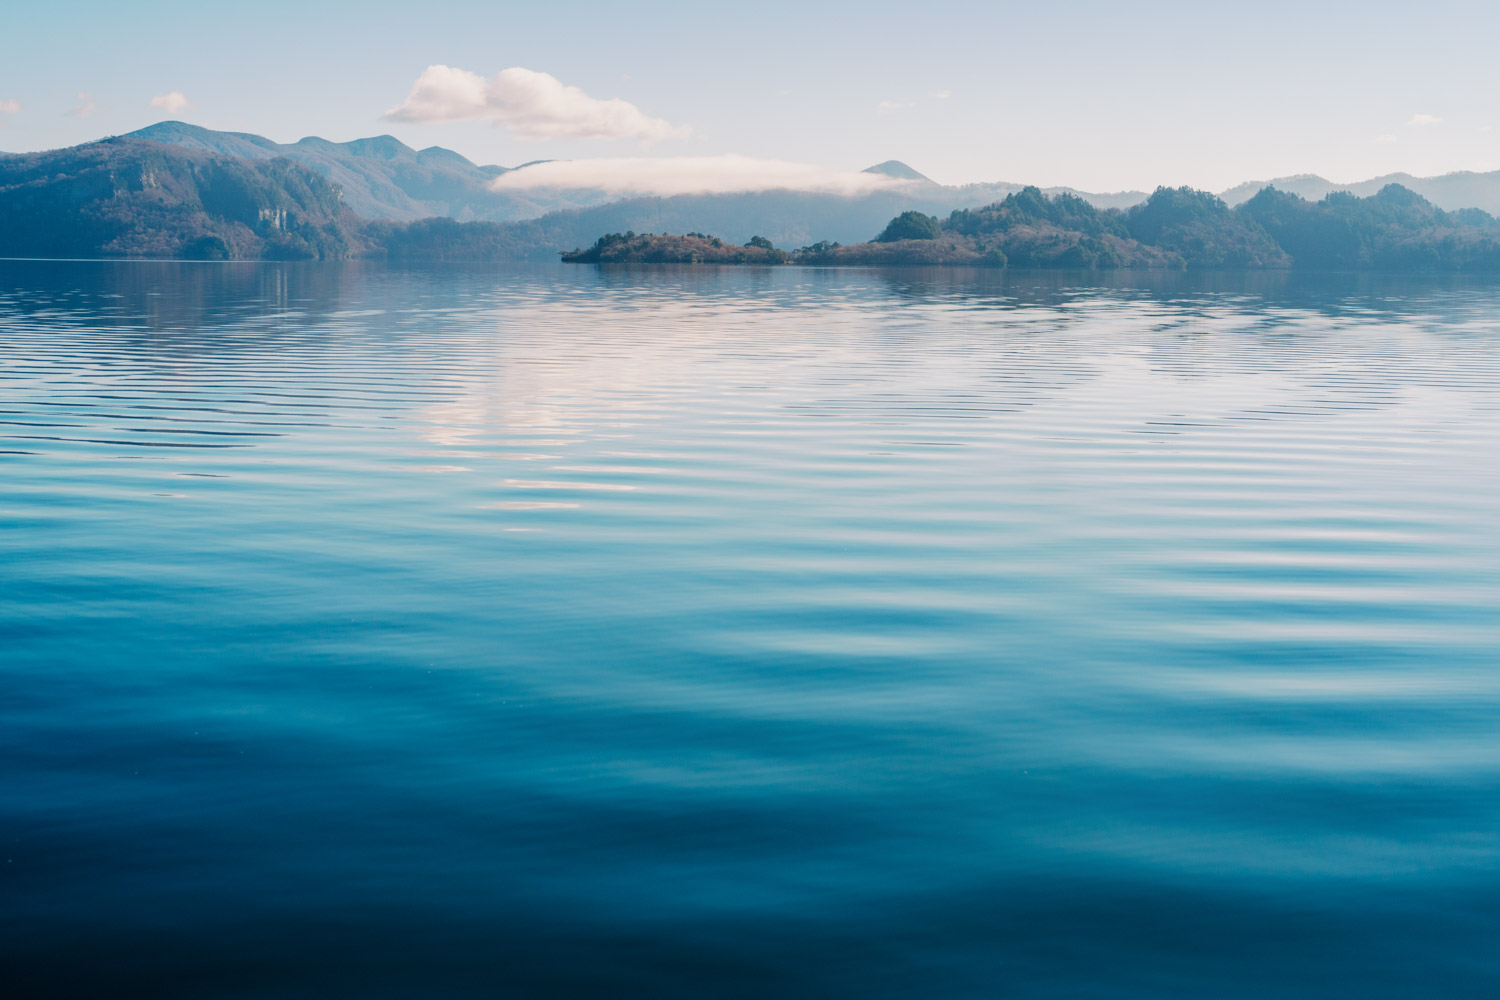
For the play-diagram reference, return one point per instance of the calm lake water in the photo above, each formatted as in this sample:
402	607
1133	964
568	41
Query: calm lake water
719	632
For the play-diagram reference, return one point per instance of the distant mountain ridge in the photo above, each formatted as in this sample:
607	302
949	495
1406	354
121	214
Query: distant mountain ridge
1450	192
380	177
383	178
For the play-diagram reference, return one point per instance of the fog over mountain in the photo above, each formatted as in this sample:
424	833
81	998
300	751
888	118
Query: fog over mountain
382	178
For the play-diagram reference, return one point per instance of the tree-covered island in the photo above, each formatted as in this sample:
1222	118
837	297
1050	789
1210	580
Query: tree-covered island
1176	228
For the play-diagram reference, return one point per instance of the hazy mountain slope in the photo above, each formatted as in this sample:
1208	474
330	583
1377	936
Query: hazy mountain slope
1450	192
1309	186
787	218
132	198
973	195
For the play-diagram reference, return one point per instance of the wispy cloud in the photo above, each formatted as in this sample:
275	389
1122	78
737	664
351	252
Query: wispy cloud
1386	138
533	106
941	95
10	106
885	106
1420	121
171	103
86	106
691	175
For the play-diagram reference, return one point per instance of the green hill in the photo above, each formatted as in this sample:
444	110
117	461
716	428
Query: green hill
1395	229
381	177
1202	230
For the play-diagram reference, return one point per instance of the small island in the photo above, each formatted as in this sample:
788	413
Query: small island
666	248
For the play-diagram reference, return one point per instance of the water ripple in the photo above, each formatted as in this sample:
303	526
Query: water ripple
1110	637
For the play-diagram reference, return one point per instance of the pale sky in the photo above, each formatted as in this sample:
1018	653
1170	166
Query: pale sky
1100	96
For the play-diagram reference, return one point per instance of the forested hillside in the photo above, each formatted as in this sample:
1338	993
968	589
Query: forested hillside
132	198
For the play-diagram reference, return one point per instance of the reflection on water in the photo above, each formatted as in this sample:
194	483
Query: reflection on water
733	631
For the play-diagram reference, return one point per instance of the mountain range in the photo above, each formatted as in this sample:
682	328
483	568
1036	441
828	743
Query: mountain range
382	178
1450	192
179	190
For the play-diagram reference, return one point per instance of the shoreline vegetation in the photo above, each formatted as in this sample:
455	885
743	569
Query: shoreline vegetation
131	198
1175	229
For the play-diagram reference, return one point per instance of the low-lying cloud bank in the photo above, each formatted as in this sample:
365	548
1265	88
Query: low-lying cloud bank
533	106
728	174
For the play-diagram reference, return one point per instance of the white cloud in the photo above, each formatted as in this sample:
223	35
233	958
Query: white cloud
171	103
1419	121
1386	138
86	106
692	175
941	95
884	106
10	107
533	106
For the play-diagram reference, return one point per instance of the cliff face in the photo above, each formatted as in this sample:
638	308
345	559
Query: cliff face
132	198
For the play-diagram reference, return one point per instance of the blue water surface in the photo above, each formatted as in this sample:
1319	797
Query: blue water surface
549	630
